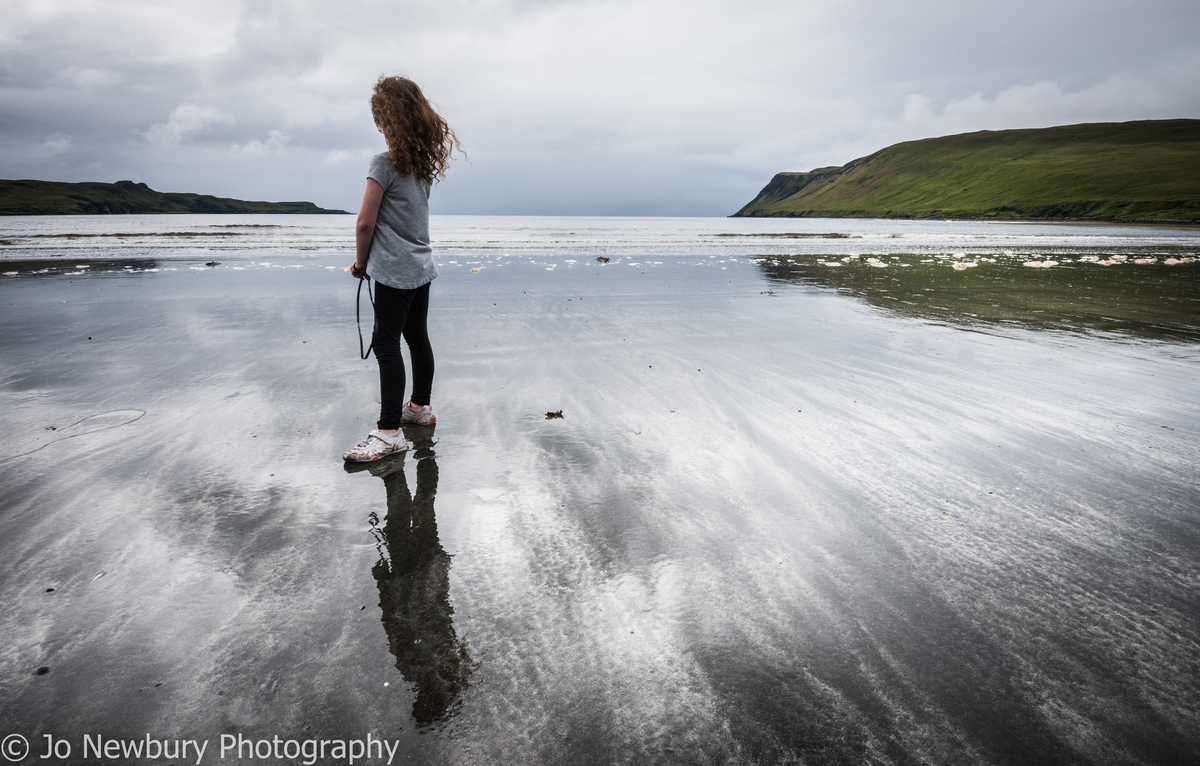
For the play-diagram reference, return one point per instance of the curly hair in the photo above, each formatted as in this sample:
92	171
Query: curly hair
419	140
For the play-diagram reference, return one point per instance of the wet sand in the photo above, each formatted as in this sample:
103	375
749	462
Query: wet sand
780	520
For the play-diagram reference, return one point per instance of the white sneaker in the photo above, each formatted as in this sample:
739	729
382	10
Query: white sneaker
376	445
418	415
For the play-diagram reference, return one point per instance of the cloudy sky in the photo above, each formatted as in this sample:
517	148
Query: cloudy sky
604	107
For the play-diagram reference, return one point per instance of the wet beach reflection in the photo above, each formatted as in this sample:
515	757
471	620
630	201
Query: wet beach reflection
413	577
1144	295
793	512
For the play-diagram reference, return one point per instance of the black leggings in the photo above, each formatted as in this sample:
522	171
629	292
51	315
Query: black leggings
401	312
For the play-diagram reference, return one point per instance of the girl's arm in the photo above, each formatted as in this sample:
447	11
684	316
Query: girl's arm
364	232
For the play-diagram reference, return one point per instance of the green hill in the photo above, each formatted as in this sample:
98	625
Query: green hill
53	198
1128	171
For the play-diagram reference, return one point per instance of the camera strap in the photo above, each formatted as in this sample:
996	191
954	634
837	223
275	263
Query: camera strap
358	319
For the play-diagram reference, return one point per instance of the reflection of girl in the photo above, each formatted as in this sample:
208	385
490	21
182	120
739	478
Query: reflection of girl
392	243
414	592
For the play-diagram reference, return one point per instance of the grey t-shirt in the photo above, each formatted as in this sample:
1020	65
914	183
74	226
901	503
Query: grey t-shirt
400	254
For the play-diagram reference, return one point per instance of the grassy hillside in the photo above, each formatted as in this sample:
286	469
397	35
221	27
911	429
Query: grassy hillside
52	198
1134	171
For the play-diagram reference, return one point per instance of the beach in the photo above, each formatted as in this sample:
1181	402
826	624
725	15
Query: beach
792	512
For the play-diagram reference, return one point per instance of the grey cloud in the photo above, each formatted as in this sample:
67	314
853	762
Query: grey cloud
570	107
187	120
90	78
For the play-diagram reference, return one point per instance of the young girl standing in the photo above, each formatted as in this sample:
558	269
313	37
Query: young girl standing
392	246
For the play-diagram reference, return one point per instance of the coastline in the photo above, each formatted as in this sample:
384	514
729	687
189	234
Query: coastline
1137	222
29	197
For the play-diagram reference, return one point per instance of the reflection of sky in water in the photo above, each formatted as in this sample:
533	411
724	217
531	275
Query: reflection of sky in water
791	512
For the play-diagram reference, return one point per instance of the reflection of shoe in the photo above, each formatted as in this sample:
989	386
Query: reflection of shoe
421	438
381	468
376	445
417	415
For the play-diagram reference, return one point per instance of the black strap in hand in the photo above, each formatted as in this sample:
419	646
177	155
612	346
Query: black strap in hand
358	320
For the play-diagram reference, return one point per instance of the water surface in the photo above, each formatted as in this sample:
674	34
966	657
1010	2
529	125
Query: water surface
792	512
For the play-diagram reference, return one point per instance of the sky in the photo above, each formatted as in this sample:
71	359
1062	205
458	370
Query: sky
571	107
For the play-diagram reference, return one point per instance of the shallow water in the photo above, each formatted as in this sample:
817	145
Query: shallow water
791	513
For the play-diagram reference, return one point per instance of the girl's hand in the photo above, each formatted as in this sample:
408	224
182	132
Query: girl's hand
358	273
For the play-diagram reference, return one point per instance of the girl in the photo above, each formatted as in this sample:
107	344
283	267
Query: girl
392	244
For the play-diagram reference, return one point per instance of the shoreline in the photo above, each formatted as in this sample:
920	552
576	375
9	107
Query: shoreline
1137	222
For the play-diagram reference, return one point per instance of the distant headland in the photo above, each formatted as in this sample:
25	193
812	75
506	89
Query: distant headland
53	198
1146	171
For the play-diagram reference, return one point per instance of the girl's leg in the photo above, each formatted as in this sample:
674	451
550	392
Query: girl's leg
416	334
392	309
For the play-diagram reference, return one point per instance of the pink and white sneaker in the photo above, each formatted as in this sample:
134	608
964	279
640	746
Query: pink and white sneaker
417	415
